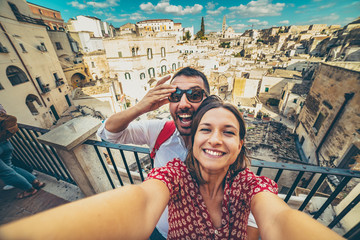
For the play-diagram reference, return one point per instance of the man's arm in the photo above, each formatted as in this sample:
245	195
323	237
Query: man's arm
129	212
155	98
276	220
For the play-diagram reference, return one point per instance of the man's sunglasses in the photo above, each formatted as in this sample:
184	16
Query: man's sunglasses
194	95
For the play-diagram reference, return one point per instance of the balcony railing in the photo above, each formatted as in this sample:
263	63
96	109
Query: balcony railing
23	18
38	156
124	164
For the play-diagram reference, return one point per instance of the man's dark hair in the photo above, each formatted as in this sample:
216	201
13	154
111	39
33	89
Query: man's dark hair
191	72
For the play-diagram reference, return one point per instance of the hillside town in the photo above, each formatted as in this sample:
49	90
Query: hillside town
297	86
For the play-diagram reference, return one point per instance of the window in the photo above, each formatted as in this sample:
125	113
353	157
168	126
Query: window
163	69
40	11
149	53
127	76
58	45
266	89
30	99
282	95
14	8
120	54
133	52
43	47
295	100
16	75
54	15
319	120
163	54
44	88
151	72
1	87
174	66
92	64
22	47
142	76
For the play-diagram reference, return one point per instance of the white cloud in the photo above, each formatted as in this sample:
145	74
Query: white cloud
164	7
147	7
98	12
259	8
210	6
239	26
232	21
302	6
291	5
133	16
106	4
327	6
258	22
115	19
77	5
215	12
286	22
324	19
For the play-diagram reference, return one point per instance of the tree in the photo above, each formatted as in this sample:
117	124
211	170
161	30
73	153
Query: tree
187	35
200	34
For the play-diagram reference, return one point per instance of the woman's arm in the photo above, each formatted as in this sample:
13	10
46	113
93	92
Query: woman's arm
129	212
276	220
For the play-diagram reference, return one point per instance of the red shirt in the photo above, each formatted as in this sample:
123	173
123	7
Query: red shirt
188	215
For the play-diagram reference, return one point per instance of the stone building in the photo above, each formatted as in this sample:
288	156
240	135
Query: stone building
91	24
33	86
136	60
52	18
329	123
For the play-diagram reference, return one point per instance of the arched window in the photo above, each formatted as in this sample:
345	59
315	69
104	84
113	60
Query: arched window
163	69
149	53
174	66
142	76
31	100
16	75
133	52
151	72
163	54
127	76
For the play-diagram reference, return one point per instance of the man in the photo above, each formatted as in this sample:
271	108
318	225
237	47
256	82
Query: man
187	89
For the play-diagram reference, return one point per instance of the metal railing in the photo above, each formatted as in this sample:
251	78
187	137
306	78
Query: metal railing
38	156
124	164
313	175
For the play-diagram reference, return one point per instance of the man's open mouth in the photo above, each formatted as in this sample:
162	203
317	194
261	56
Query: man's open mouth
185	118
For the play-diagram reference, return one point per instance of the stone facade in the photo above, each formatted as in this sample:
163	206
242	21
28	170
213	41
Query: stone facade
33	87
135	60
328	125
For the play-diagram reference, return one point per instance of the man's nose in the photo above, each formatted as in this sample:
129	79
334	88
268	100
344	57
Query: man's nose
184	102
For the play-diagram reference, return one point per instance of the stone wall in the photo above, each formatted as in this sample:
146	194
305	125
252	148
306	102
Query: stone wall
327	97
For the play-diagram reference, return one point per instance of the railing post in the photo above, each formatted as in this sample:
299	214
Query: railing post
80	159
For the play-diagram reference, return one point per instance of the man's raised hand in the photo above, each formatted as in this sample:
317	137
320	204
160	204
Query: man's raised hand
157	96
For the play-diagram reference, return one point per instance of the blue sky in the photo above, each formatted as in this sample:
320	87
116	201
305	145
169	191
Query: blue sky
241	15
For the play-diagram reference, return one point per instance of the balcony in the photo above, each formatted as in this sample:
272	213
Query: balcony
70	154
45	88
23	18
59	82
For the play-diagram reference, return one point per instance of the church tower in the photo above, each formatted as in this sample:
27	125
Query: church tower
224	26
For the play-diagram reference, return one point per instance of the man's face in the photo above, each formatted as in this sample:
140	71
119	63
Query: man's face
182	112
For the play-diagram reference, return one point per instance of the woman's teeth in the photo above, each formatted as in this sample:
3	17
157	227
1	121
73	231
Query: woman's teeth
214	153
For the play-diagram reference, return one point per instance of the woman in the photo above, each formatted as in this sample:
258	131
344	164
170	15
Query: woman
209	198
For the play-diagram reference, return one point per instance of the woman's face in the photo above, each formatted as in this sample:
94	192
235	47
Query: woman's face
217	142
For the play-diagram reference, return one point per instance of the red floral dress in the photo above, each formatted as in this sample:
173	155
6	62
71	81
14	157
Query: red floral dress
188	215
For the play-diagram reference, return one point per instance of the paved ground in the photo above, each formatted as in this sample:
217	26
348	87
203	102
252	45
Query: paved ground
12	209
